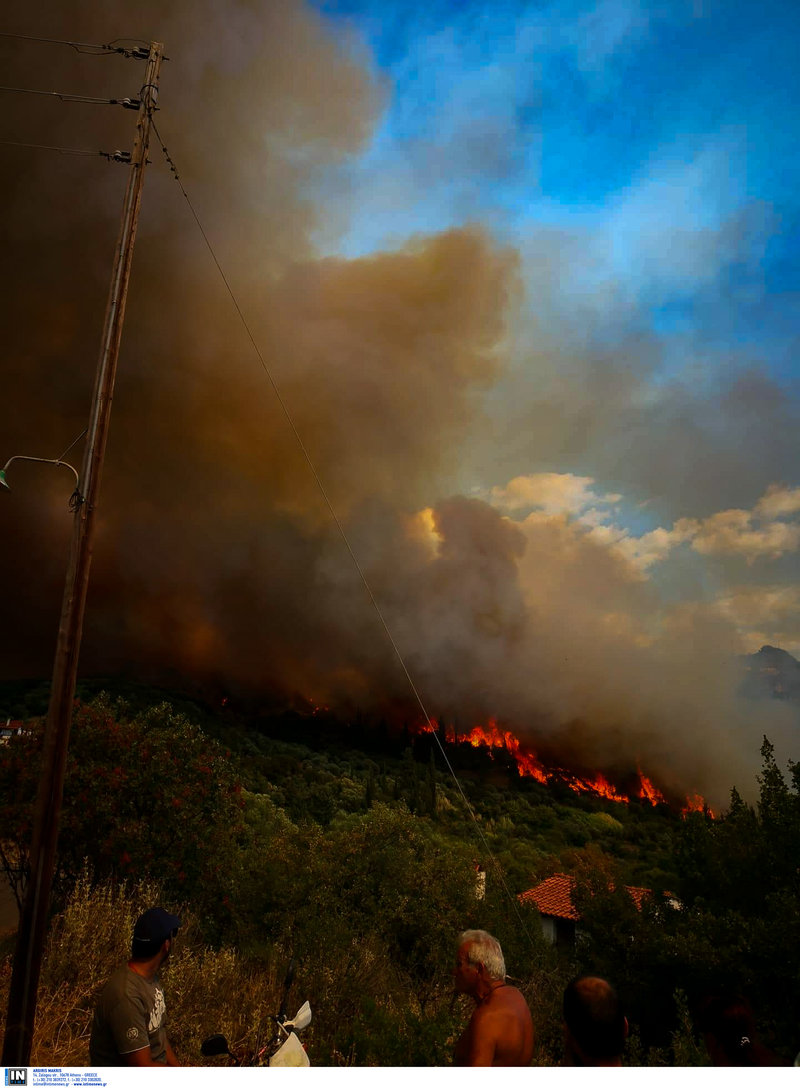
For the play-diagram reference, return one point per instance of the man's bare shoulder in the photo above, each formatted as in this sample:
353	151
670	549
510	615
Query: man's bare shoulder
508	1000
507	1021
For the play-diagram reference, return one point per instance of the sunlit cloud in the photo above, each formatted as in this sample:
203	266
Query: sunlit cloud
779	501
642	552
421	529
556	495
553	492
768	614
741	533
745	534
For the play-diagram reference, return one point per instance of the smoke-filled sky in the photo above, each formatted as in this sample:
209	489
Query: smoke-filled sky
527	278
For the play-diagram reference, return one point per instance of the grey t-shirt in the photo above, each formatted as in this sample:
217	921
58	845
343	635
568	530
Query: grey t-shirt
129	1016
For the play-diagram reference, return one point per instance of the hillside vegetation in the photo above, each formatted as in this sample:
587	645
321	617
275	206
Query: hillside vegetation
349	847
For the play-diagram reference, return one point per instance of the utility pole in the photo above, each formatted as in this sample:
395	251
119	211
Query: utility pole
33	920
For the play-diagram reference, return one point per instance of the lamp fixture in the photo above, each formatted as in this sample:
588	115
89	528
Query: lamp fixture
75	499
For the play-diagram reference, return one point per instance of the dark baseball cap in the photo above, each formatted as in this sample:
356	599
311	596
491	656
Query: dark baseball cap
151	930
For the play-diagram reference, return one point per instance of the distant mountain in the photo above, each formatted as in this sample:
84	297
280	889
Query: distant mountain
772	673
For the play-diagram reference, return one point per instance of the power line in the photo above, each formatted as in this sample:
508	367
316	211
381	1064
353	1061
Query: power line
139	52
74	442
344	537
112	156
126	103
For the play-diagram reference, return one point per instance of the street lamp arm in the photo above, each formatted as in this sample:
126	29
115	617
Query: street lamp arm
43	460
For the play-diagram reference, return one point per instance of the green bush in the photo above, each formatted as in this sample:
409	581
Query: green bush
145	796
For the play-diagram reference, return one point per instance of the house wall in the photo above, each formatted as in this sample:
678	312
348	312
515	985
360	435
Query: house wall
565	933
548	929
560	932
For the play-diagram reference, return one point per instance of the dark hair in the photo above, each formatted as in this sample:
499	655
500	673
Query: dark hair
594	1016
731	1024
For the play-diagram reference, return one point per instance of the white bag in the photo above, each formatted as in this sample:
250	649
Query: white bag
291	1053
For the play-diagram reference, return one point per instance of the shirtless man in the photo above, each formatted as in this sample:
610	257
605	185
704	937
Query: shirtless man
500	1031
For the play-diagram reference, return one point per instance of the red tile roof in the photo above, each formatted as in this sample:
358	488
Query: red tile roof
637	895
554	897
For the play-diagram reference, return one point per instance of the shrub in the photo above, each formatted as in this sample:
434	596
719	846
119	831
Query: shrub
148	796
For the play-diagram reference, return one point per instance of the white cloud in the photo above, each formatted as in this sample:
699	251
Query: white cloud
606	30
778	501
762	604
741	533
746	534
553	492
554	495
642	552
768	614
683	220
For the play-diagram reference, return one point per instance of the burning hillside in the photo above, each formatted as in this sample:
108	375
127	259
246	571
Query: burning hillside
491	737
451	415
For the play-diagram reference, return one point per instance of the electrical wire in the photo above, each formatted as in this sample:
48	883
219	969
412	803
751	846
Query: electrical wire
112	156
126	103
76	499
140	52
74	442
343	534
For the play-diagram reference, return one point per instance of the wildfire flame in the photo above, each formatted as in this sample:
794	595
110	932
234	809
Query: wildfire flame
491	736
649	792
696	803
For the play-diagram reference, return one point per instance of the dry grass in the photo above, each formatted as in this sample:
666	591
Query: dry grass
363	1013
206	990
85	942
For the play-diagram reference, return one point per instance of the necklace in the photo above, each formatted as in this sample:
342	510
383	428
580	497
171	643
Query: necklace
494	989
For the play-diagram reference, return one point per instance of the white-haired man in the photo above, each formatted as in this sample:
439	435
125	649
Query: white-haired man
500	1031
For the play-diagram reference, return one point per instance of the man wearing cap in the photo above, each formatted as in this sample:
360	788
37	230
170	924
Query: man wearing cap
129	1025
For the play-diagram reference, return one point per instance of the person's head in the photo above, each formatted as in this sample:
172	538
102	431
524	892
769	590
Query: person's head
479	962
595	1028
729	1030
153	934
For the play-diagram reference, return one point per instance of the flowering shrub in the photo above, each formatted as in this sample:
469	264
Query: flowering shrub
145	796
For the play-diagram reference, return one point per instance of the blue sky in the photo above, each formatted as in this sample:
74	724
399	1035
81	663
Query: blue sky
657	123
642	159
576	100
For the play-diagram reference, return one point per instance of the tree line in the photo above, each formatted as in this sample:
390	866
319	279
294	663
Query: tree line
364	869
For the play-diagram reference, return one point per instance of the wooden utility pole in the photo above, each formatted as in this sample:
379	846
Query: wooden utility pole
33	920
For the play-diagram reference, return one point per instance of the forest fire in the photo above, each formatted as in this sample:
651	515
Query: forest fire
696	803
491	736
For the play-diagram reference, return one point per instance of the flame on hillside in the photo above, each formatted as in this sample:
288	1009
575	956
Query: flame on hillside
491	736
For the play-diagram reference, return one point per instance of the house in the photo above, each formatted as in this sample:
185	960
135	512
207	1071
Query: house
553	899
9	730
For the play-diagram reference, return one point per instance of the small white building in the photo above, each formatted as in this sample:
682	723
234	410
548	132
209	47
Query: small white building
9	730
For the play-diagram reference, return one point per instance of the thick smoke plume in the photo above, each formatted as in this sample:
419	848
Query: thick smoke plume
216	556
